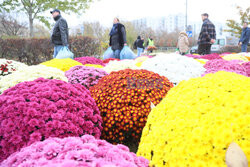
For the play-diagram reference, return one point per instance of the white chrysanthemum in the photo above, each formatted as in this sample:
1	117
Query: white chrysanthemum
244	54
175	67
31	73
120	65
9	66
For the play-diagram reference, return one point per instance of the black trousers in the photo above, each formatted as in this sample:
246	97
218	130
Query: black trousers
204	49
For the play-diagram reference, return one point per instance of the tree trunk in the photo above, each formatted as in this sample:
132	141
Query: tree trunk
31	26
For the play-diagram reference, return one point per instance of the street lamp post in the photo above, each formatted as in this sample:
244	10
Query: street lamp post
186	14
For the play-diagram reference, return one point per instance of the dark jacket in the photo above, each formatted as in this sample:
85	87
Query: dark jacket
60	34
118	39
139	43
245	35
207	32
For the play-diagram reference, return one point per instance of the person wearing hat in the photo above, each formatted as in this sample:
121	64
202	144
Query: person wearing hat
60	33
183	44
207	36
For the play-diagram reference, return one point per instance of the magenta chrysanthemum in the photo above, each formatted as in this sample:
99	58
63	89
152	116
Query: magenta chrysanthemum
208	57
75	152
89	60
216	65
33	111
86	76
247	68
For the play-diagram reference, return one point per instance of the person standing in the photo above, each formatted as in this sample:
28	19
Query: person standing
183	43
245	36
60	32
117	37
150	43
139	45
207	36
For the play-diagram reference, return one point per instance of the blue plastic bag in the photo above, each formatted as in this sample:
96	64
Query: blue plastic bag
65	53
127	53
108	54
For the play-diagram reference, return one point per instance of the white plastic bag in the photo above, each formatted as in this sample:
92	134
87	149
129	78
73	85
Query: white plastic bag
127	53
108	54
65	53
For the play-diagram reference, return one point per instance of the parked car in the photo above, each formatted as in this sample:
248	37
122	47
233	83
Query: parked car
194	49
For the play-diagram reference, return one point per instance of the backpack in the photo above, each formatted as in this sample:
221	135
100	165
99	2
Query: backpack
135	45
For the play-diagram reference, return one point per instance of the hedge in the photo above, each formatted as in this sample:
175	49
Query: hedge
232	49
34	51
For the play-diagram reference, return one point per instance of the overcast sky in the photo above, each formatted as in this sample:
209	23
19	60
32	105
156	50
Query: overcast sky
105	10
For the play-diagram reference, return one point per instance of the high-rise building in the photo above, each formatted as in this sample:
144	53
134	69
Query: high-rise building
170	23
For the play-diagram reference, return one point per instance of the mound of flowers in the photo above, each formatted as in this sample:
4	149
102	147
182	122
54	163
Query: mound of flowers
216	65
124	99
106	61
235	57
140	60
33	111
31	73
74	152
120	65
246	65
93	65
89	60
208	57
86	76
197	120
175	67
62	64
151	48
9	66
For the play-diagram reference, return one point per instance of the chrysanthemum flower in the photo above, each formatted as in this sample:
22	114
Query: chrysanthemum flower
124	99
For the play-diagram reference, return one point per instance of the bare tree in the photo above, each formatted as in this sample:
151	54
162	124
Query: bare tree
10	26
93	29
41	31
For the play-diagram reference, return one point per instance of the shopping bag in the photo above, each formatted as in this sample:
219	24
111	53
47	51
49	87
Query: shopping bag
65	53
127	53
108	54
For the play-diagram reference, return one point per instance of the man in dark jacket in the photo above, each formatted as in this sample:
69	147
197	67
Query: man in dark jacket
60	33
139	45
245	36
207	36
117	37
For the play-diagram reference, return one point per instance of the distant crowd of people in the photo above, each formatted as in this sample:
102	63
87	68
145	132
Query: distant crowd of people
207	37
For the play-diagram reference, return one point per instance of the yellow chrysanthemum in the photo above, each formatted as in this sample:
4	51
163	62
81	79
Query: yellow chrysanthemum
62	64
235	57
93	65
202	61
197	120
139	64
141	59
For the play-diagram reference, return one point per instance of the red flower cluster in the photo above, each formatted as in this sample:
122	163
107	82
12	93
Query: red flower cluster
106	61
150	48
89	60
4	68
124	99
34	111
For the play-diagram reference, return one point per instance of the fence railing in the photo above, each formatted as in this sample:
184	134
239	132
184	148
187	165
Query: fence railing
170	49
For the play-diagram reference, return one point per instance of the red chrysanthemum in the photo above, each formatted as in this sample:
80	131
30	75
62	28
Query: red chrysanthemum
124	99
106	61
